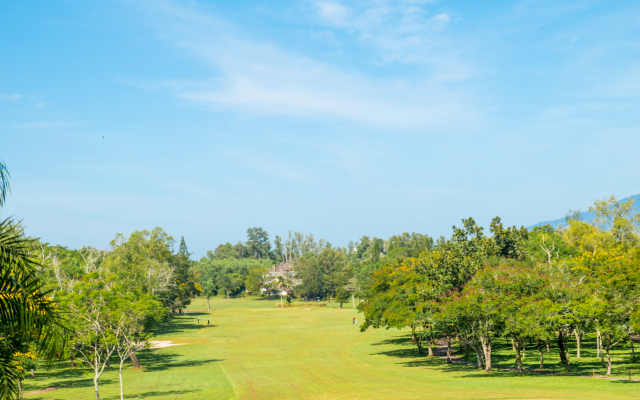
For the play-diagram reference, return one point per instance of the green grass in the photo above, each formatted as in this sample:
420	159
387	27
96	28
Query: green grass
254	350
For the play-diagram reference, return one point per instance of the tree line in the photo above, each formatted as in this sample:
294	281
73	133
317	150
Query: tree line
541	285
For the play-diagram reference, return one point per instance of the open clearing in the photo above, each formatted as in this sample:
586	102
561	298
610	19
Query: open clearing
304	353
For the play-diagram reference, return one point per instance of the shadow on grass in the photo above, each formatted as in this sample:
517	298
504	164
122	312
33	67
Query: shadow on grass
152	361
183	323
146	395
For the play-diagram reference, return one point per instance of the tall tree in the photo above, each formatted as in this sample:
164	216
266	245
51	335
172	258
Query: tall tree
258	243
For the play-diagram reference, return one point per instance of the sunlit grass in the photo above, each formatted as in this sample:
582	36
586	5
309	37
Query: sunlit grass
251	349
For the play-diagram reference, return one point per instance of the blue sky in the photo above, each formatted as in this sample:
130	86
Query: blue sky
327	117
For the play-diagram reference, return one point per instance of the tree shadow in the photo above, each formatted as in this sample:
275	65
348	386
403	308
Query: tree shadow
145	395
183	323
152	361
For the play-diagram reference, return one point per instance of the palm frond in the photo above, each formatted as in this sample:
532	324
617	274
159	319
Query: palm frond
4	182
27	313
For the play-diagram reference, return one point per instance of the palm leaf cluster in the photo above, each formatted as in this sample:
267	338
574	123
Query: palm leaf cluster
28	317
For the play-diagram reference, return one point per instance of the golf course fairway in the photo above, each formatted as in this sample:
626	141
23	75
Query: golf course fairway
253	350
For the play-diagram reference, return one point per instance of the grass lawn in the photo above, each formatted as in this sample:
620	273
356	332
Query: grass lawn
253	350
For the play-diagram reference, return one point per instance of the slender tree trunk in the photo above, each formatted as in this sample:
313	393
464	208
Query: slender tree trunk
208	306
95	384
541	355
518	358
578	341
120	372
601	350
513	345
429	344
598	344
466	349
448	349
479	357
567	351
563	358
416	340
33	372
607	347
354	300
547	342
20	389
134	359
486	350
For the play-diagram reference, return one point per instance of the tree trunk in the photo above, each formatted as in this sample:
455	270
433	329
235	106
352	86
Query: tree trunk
121	389
547	342
567	352
228	293
601	350
353	299
598	344
466	349
541	355
459	343
72	362
607	347
513	345
95	384
416	340
518	358
429	344
33	372
563	358
578	341
448	349
479	357
20	390
486	350
208	306
134	359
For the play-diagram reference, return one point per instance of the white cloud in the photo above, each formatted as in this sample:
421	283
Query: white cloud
258	78
333	12
10	97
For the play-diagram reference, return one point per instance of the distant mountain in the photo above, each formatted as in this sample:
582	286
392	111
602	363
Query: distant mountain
588	216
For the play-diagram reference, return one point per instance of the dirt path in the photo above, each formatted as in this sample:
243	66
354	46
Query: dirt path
441	351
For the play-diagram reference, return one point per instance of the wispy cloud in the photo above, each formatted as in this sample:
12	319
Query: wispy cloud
398	31
260	78
10	97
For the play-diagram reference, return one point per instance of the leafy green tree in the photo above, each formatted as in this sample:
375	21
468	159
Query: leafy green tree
258	244
254	279
279	251
618	218
510	242
342	295
229	282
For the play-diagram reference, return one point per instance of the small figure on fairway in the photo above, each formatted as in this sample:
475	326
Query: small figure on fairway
354	320
198	320
207	322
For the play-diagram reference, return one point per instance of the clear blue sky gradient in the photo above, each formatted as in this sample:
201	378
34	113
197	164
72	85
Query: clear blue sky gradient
328	117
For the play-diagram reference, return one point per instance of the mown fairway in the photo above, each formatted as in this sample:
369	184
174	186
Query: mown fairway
253	350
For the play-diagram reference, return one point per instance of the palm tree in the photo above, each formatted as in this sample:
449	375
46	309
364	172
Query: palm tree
27	315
